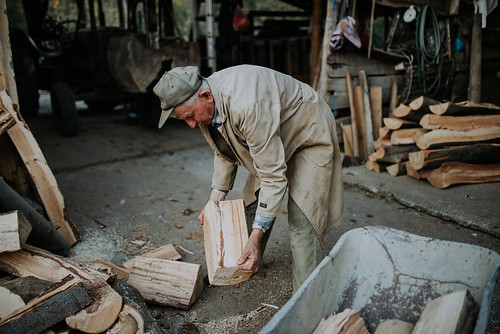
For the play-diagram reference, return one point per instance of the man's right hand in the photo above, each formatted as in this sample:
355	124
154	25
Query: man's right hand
214	196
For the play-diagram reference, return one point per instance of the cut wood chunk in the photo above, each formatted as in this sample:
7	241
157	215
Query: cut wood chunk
129	321
166	282
41	174
459	123
398	123
466	108
394	326
375	166
405	136
479	154
10	302
62	300
6	119
402	111
14	230
348	138
376	109
397	169
348	321
226	235
451	173
39	263
452	313
167	252
440	138
102	313
422	104
393	154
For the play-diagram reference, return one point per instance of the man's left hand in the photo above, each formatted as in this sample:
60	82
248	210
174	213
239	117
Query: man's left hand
250	260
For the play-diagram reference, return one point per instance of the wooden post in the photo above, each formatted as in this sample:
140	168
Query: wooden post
330	23
360	119
370	148
371	29
376	110
474	91
394	95
315	36
354	122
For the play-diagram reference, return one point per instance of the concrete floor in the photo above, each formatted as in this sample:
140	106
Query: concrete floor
130	189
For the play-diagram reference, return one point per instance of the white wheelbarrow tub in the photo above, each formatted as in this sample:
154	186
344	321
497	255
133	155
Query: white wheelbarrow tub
388	274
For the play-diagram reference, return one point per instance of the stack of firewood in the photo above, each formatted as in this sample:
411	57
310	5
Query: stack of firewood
445	143
89	297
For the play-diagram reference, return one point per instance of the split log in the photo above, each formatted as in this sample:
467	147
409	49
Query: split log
166	282
397	169
402	111
452	313
439	138
376	109
422	104
348	140
348	321
43	233
384	138
167	252
132	297
354	120
10	302
393	154
226	235
466	108
421	174
129	321
363	82
405	136
27	288
478	154
59	302
102	313
459	123
398	123
14	230
360	119
375	166
6	119
451	173
394	326
41	175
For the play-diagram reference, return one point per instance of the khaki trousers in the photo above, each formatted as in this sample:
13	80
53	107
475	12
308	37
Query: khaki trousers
304	242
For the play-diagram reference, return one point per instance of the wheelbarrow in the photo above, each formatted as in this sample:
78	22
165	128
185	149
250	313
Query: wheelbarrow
388	274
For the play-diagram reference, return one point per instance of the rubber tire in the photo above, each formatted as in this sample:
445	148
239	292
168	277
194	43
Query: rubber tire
64	109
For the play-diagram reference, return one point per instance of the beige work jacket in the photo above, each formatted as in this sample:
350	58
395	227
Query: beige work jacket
284	133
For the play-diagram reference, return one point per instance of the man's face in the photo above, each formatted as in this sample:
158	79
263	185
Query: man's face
198	113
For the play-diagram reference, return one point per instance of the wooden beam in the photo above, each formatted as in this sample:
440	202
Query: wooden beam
317	18
451	173
166	282
465	108
376	109
459	123
354	121
479	154
14	230
226	235
439	138
363	82
41	175
167	252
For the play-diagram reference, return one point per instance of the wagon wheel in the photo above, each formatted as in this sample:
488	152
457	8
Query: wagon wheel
64	109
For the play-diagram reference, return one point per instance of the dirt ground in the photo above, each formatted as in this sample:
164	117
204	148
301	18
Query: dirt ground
130	189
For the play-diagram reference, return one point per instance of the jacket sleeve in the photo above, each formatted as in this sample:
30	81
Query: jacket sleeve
224	173
260	129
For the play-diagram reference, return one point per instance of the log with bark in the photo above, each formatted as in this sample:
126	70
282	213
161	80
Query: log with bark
377	167
423	104
397	169
405	112
459	123
398	123
226	235
166	282
393	154
14	230
451	173
60	301
348	321
27	288
384	138
452	313
394	326
466	108
405	136
479	154
440	138
167	252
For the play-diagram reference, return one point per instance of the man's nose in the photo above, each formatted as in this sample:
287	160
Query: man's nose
191	123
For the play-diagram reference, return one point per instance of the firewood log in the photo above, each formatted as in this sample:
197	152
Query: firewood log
14	230
405	136
167	252
398	123
451	173
465	108
129	321
394	326
439	138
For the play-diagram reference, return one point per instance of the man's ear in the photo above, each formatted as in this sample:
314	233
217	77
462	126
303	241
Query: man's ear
206	94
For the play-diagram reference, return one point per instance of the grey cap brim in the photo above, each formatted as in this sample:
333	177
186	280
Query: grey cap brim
165	114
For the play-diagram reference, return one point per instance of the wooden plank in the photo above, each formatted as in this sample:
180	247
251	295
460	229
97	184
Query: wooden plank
452	313
459	123
360	120
370	148
41	174
465	108
451	173
226	235
354	122
166	282
348	139
14	230
398	123
166	252
437	138
405	136
61	301
349	62
479	154
376	110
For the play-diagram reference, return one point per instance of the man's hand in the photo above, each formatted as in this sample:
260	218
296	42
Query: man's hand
214	196
250	260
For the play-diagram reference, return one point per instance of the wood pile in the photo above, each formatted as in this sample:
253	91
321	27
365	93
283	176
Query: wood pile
444	143
455	312
90	297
